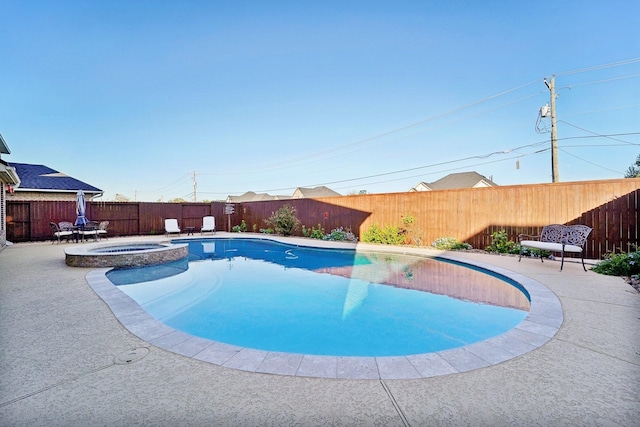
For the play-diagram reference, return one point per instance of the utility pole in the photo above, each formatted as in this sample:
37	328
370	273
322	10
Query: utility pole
554	136
195	186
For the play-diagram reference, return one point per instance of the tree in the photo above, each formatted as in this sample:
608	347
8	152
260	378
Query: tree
634	170
120	198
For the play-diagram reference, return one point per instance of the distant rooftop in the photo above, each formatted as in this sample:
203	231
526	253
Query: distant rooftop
457	180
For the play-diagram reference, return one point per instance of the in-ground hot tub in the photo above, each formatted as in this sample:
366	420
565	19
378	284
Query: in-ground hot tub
124	254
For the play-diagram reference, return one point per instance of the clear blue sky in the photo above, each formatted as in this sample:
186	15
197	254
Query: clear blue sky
134	97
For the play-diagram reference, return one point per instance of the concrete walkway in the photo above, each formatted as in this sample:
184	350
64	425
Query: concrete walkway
61	349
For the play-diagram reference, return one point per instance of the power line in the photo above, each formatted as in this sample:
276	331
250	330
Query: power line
381	135
599	67
591	163
457	168
595	134
482	156
600	81
319	156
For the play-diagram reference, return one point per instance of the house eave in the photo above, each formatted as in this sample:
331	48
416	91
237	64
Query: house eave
8	175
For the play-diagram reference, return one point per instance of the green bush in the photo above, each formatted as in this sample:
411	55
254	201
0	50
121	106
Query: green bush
239	228
389	235
501	244
313	233
619	264
284	221
340	234
450	243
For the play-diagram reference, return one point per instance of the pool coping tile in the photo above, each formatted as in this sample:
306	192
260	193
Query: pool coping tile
541	324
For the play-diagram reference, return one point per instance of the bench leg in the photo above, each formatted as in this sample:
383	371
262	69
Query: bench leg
583	266
562	262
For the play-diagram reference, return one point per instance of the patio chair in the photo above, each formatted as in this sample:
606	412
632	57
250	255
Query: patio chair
171	226
66	226
59	233
102	229
208	224
89	229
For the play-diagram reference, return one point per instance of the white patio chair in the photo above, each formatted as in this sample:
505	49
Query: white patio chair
171	226
208	224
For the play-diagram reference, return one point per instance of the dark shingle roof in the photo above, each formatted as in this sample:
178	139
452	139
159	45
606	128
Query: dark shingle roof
41	177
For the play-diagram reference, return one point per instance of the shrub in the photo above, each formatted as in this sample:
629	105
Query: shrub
340	234
313	233
450	243
389	235
266	230
501	244
412	234
284	221
239	228
623	264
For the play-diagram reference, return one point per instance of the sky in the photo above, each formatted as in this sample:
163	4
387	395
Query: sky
158	100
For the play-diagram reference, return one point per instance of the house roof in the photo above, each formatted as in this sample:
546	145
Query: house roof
251	196
4	148
43	178
460	180
320	191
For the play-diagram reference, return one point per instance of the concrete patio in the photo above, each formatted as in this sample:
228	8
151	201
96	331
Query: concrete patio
60	348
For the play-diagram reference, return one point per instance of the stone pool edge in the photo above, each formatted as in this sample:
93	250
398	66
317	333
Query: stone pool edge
541	324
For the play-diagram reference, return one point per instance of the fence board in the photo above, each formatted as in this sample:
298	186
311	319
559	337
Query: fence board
610	207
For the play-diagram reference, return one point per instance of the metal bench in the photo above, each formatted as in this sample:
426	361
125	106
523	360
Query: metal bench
558	238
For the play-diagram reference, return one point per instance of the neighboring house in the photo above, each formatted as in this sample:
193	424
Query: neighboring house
308	193
250	196
456	180
9	180
299	193
39	182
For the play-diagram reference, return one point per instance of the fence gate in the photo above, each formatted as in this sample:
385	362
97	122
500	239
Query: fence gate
18	222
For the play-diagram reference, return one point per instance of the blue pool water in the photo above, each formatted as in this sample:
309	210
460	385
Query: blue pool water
269	296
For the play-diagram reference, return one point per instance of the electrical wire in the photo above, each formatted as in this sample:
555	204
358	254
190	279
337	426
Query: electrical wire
600	81
483	156
318	156
595	134
454	169
591	163
288	162
599	67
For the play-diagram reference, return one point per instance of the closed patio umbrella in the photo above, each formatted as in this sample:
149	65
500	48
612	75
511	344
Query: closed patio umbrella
81	209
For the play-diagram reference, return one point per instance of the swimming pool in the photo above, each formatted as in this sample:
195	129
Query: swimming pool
542	323
282	298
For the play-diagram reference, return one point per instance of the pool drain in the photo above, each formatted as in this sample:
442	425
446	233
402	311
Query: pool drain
131	356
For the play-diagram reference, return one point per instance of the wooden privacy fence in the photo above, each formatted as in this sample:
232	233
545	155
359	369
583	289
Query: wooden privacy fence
610	207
